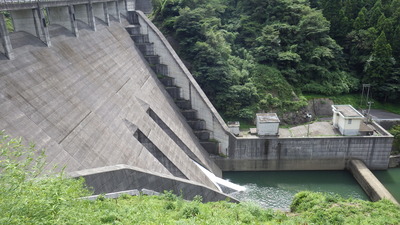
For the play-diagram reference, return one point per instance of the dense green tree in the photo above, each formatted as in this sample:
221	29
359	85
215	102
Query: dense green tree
395	131
379	67
396	43
375	17
375	13
361	21
327	51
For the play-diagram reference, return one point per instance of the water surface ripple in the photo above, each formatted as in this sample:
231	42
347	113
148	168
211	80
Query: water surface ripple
277	189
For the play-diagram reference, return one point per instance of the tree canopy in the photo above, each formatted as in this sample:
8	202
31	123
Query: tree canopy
241	51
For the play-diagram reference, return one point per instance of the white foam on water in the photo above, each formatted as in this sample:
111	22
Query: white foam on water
219	181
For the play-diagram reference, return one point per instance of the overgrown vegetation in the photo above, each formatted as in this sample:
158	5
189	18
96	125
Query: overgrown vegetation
395	131
8	21
27	198
258	55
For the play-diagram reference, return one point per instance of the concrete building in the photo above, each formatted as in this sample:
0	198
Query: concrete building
267	124
234	127
347	119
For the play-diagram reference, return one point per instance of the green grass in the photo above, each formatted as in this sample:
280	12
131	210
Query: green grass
355	100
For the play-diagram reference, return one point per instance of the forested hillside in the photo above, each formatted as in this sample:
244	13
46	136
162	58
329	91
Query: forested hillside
259	55
369	32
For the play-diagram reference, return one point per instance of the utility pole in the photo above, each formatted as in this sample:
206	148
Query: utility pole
367	87
369	118
308	117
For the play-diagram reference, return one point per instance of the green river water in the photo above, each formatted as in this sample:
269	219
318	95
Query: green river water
391	179
277	189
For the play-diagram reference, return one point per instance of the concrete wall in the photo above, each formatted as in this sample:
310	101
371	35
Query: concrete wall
60	16
367	180
122	177
394	161
316	153
267	128
349	126
74	99
190	90
144	5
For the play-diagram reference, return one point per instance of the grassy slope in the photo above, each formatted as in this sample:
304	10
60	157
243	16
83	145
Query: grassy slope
168	209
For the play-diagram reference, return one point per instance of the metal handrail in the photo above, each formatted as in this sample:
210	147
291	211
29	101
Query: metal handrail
20	1
5	2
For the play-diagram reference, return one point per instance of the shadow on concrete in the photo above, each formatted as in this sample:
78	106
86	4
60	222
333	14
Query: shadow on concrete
56	30
22	38
83	26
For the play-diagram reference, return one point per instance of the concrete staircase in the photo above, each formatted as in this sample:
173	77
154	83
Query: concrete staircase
197	124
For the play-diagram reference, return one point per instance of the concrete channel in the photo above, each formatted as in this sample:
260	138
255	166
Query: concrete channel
369	183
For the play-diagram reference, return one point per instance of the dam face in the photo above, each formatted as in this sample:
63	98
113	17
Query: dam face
93	101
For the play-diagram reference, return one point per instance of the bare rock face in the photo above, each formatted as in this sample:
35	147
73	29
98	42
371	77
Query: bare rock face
294	118
321	107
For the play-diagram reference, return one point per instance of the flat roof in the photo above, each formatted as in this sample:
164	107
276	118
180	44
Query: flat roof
347	111
233	123
267	118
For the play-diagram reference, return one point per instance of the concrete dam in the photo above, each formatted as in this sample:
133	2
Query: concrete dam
78	87
97	85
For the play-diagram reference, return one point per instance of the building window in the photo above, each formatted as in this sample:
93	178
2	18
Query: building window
349	121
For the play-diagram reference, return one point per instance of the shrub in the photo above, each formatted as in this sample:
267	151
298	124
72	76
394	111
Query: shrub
25	197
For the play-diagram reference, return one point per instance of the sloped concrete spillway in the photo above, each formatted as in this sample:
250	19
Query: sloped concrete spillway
88	101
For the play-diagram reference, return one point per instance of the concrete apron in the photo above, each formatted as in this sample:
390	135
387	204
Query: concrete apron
369	183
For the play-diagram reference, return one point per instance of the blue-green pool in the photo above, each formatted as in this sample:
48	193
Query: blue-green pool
277	189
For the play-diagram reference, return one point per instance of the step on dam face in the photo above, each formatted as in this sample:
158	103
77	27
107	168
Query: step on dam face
84	98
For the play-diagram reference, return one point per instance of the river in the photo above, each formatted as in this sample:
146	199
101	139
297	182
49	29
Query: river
391	179
277	189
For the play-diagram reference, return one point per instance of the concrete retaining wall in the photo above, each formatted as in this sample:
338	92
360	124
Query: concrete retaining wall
190	90
371	185
122	177
394	161
314	153
144	5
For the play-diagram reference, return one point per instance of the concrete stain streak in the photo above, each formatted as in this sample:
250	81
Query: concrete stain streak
123	85
74	127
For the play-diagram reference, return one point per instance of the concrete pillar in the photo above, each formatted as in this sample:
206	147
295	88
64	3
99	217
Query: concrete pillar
90	14
106	15
74	24
36	23
113	10
45	36
5	38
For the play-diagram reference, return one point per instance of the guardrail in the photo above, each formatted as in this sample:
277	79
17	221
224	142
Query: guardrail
22	1
29	4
